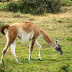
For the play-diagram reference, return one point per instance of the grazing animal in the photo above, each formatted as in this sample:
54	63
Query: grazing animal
26	31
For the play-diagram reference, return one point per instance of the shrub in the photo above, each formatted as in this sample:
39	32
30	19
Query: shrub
13	6
35	7
39	6
3	7
53	6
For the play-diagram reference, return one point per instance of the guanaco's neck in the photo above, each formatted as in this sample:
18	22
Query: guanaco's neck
47	38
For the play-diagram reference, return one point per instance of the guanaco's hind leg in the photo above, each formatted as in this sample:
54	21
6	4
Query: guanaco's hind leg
5	48
11	36
13	45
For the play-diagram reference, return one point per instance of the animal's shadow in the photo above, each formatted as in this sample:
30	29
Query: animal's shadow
49	60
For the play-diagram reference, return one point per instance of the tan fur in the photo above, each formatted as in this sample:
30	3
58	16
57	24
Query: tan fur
28	27
47	38
12	33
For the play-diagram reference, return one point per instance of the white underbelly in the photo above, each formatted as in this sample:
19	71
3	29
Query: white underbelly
24	36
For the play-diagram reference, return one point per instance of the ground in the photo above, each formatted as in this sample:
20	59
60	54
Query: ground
57	26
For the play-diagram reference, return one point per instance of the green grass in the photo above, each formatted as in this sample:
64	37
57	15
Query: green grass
66	2
57	26
69	38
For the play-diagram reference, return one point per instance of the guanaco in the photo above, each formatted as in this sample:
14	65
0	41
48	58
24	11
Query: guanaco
26	31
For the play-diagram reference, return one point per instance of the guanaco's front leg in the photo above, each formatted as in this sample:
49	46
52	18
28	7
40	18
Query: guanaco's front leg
31	48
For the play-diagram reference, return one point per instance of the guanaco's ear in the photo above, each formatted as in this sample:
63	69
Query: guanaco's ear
56	41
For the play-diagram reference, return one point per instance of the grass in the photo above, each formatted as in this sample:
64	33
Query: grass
58	26
66	2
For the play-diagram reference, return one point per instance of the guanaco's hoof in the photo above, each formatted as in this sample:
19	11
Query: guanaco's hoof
40	59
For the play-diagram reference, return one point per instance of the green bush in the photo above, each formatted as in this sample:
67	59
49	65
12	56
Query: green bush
3	7
39	6
13	6
35	7
53	6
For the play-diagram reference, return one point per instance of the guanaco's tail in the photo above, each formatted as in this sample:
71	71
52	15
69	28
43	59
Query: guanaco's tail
3	28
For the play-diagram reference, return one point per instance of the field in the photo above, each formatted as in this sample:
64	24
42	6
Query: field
57	26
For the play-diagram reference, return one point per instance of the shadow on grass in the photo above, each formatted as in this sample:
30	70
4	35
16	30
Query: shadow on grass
49	60
2	67
5	68
53	60
26	61
64	68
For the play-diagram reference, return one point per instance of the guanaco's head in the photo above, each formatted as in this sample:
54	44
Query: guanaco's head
58	48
